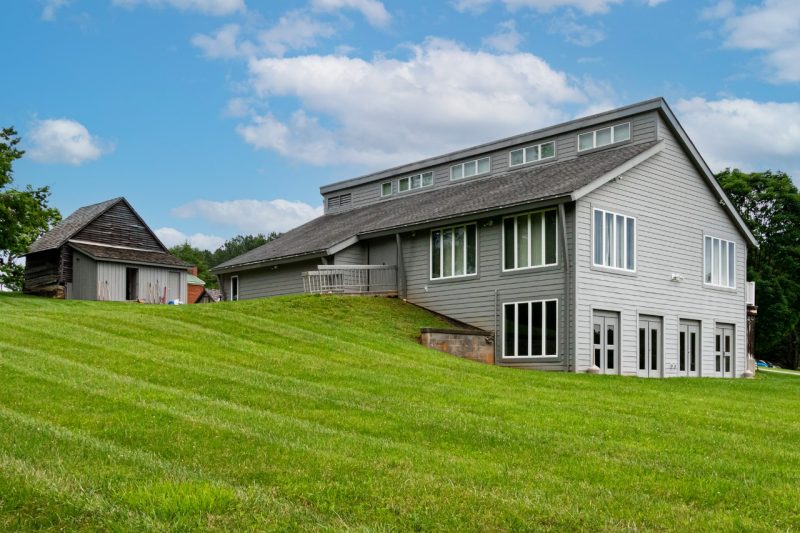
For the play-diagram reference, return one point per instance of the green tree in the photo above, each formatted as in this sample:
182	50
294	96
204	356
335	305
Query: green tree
240	244
199	258
24	214
770	205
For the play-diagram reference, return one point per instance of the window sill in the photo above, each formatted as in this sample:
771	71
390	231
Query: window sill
531	359
731	290
530	270
617	271
453	279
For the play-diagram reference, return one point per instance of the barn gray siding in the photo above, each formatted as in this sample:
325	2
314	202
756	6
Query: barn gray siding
674	207
644	129
270	281
119	226
151	282
84	277
472	300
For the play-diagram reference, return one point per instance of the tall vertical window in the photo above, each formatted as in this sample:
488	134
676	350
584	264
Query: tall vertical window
529	240
234	288
614	240
454	251
719	264
530	329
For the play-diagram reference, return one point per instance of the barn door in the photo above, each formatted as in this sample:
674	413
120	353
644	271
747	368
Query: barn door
174	286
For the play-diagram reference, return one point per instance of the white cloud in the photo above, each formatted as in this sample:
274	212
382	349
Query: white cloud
744	133
51	7
372	10
64	141
173	237
507	39
386	111
773	27
575	32
251	216
222	44
209	7
586	6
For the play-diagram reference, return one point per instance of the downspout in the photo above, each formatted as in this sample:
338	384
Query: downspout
401	269
496	337
567	278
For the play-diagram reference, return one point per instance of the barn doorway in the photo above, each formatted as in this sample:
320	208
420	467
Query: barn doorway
131	284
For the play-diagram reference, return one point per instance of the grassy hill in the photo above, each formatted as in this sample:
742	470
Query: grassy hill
322	412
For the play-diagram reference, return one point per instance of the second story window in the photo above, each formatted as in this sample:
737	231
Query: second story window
719	264
454	251
532	154
604	136
416	181
386	188
614	240
470	168
529	240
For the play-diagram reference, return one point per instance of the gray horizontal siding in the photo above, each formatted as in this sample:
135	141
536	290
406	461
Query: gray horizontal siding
674	207
472	300
352	255
270	281
644	129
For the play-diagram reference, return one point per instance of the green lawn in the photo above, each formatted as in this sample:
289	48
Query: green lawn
322	412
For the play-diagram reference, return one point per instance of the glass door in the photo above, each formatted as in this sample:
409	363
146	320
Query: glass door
689	348
650	360
723	351
605	335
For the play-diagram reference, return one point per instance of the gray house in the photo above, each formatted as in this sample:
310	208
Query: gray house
602	244
104	251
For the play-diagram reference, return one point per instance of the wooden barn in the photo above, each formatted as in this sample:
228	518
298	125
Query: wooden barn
106	252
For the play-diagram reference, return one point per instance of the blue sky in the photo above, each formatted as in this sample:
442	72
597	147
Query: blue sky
219	117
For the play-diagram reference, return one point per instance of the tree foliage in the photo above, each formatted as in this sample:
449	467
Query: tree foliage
206	260
24	214
770	205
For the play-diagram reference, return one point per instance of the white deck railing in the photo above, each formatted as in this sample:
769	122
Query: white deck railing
351	279
750	290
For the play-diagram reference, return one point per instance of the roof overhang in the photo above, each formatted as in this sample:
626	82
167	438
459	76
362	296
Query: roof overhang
156	264
270	262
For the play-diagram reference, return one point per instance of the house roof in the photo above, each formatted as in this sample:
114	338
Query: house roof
191	279
519	187
61	232
121	254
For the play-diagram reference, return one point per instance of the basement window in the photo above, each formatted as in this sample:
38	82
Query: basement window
530	329
604	136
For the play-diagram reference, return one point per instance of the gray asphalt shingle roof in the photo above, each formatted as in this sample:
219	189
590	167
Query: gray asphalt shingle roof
69	226
514	187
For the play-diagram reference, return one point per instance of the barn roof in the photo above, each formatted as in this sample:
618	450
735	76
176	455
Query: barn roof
64	230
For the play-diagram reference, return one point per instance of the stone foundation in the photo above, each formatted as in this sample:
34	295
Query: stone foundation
473	344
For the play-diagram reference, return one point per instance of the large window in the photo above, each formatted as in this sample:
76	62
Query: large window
530	329
470	168
529	240
454	251
614	240
532	154
415	182
719	263
604	136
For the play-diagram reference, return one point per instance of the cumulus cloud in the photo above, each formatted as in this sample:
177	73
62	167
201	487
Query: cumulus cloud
222	44
173	237
744	133
772	28
507	39
208	7
384	111
372	10
574	32
51	7
251	216
64	141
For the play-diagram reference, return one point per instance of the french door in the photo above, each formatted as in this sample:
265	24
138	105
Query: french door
723	351
605	341
689	348
650	349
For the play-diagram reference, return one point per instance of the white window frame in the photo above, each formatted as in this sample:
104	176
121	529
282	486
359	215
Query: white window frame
530	330
525	149
410	180
613	136
516	238
730	274
453	254
477	168
614	241
230	298
383	194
